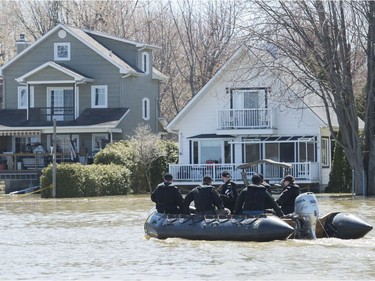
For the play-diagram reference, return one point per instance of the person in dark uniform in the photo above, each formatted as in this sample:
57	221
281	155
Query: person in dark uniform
254	199
168	197
265	184
206	199
288	195
228	191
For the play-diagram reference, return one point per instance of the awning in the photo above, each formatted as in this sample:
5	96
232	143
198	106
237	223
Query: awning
20	133
210	136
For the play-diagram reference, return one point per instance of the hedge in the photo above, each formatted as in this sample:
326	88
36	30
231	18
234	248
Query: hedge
77	180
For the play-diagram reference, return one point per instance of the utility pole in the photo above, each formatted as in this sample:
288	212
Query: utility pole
54	160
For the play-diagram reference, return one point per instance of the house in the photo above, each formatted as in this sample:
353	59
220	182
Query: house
95	88
246	113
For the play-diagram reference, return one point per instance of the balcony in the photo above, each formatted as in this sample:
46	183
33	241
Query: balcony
50	113
256	119
189	174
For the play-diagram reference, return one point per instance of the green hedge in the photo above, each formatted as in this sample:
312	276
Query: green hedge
76	180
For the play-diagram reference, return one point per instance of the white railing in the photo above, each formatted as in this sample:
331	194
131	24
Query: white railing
194	173
256	118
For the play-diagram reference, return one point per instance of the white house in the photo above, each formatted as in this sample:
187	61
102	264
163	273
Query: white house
246	113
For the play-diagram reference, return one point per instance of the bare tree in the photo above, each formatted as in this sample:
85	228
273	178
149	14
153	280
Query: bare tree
147	150
319	39
204	39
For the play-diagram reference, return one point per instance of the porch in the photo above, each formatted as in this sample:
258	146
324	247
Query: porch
192	174
16	164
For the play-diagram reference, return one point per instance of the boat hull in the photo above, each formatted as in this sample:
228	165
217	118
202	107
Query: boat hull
199	227
249	228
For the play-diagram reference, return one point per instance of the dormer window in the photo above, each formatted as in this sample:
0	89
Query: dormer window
61	51
145	62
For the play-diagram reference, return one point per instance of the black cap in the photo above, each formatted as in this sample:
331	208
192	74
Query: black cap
168	177
207	180
261	176
289	178
256	179
225	174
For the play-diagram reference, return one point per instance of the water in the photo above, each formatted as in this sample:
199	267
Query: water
103	239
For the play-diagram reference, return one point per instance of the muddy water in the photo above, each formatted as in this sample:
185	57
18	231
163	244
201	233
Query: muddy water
103	239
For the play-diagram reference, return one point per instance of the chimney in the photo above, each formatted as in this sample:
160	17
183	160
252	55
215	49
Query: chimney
22	43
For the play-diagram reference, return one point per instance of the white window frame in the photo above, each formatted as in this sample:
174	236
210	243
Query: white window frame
20	89
93	96
49	98
146	109
146	62
57	56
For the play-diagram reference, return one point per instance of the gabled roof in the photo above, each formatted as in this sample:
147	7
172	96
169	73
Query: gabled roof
137	44
76	77
205	88
101	50
316	107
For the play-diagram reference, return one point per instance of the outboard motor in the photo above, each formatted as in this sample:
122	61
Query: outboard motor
306	215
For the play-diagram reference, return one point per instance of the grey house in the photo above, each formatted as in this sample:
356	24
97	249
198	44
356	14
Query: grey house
98	88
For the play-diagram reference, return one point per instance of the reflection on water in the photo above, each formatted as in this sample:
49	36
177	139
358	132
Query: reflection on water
103	239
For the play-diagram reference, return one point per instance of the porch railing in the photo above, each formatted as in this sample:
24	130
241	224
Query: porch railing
49	113
255	118
194	173
29	161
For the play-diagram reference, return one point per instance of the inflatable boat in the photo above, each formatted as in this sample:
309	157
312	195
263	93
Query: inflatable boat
302	224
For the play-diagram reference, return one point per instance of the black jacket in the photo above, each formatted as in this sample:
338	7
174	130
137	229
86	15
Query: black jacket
206	199
168	199
287	198
228	193
255	198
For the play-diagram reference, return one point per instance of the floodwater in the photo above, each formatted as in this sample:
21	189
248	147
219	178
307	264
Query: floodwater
102	238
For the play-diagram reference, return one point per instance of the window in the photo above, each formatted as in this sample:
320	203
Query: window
66	145
23	96
325	152
61	51
249	98
99	96
208	151
145	63
272	151
25	144
287	152
252	152
146	109
99	141
61	104
306	152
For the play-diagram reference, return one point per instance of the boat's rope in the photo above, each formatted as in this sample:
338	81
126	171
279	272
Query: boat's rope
324	229
35	191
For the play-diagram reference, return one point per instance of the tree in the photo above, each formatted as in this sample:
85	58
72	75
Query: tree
147	149
321	42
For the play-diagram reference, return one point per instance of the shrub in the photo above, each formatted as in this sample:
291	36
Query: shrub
122	153
76	180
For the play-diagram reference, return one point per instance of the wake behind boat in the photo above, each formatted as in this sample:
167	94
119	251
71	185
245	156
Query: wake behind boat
302	224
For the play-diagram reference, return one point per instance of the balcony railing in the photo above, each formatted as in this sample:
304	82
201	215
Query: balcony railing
194	173
260	118
50	113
